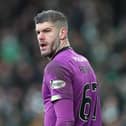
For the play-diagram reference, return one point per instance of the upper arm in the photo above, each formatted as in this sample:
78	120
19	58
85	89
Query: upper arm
59	81
49	116
64	112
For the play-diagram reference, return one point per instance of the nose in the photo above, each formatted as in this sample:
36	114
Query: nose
41	36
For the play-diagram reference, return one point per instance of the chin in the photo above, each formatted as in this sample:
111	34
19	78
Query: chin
46	54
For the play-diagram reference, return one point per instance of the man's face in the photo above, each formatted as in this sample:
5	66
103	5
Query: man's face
48	38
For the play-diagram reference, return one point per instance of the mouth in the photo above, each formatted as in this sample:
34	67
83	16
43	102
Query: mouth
43	45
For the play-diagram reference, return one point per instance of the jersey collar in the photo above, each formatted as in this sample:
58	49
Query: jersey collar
61	50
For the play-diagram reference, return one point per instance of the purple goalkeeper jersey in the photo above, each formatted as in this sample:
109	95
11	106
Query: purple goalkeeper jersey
70	76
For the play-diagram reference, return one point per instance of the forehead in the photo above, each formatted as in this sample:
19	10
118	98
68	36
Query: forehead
44	25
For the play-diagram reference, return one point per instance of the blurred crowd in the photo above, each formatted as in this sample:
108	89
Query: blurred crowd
97	31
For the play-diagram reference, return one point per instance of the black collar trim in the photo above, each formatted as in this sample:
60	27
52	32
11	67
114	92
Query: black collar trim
64	48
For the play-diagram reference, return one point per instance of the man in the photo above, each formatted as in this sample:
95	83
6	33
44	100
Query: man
70	89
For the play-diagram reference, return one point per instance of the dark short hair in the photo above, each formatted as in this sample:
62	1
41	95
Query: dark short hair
51	16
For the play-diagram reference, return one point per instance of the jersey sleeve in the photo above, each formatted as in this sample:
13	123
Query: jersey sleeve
64	112
59	81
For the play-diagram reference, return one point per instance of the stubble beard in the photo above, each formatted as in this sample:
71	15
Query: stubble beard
55	48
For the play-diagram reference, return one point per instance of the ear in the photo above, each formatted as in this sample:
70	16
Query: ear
63	33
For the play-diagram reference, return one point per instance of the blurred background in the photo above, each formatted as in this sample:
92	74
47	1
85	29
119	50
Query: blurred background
97	31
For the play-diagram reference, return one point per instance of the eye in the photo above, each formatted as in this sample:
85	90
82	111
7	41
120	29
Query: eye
47	30
37	32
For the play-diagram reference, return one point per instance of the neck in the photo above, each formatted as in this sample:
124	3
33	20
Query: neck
63	44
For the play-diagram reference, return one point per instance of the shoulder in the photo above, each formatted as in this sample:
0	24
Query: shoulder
57	70
56	65
60	64
61	60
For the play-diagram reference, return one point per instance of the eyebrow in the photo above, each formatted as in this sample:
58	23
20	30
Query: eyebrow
47	27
